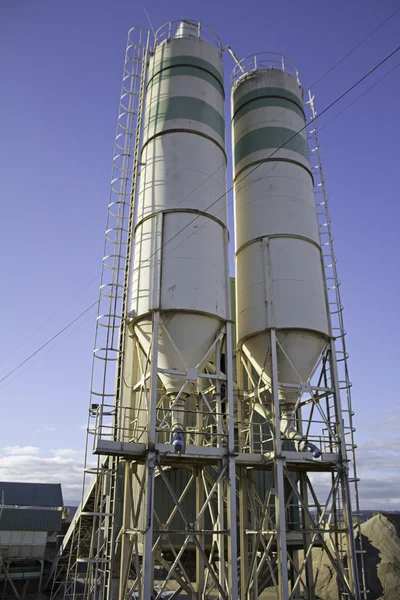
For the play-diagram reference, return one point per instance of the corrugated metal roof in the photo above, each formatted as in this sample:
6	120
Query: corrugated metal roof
15	493
30	519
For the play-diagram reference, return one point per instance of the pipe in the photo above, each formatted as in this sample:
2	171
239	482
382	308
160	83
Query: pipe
289	430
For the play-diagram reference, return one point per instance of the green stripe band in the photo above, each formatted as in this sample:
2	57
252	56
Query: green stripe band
185	107
267	92
188	72
267	138
266	102
185	61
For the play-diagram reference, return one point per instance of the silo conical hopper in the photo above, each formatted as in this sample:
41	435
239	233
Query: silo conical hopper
279	267
180	262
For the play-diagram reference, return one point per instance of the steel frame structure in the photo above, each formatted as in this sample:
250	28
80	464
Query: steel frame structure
151	546
273	538
276	547
338	330
85	566
118	546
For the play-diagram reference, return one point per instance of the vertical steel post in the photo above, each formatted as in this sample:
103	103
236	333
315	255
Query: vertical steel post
200	498
219	524
278	474
232	520
309	592
126	553
344	479
242	482
147	580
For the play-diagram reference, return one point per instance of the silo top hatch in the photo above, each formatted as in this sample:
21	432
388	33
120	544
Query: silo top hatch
185	86
268	82
263	61
186	48
187	28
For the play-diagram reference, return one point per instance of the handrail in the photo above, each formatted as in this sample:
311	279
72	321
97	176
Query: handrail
263	61
187	28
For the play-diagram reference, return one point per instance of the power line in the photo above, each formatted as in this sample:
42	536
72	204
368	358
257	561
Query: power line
320	129
327	108
350	89
48	320
89	318
360	96
212	174
355	47
49	341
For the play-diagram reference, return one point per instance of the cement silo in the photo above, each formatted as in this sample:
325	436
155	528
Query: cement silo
280	281
178	431
287	365
180	316
180	244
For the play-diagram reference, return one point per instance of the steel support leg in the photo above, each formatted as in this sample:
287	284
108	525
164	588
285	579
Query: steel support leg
200	498
147	577
231	506
147	580
309	593
280	516
347	513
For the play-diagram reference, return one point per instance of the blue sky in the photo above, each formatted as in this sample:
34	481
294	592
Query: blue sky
61	72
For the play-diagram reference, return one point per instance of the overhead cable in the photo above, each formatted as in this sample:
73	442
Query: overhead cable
212	174
326	109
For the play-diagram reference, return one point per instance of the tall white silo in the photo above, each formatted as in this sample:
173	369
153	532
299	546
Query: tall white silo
280	281
179	401
180	265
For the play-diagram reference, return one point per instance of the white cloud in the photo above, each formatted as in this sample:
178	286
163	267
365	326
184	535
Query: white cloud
20	450
29	463
66	452
385	421
44	429
378	463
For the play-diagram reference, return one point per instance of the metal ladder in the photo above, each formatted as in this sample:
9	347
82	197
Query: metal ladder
339	332
87	572
59	567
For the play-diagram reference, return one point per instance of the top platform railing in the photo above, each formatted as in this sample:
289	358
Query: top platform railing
263	61
187	28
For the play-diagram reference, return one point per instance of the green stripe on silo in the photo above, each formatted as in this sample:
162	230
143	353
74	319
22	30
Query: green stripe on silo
267	92
186	61
267	101
267	138
186	107
188	72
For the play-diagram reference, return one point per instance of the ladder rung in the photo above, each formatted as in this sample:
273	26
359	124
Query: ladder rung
93	560
95	514
94	471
